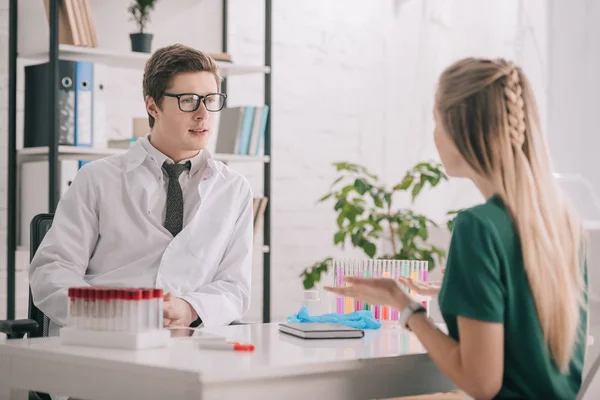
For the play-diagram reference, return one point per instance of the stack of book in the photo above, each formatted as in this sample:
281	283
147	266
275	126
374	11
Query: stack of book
260	204
75	24
241	130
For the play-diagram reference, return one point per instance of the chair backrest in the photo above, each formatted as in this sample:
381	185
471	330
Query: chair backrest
587	381
39	226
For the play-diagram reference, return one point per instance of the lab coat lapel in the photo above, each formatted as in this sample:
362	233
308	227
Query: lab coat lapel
141	185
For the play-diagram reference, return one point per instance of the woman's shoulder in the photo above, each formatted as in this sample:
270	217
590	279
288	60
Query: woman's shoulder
491	217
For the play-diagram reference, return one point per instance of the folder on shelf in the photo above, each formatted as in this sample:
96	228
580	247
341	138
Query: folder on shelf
37	108
83	103
100	83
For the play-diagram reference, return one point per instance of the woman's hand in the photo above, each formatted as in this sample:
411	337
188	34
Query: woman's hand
379	291
422	288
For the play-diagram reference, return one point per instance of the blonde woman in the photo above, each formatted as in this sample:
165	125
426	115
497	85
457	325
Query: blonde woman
514	293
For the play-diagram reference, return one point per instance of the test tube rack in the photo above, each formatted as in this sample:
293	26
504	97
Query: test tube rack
115	318
365	268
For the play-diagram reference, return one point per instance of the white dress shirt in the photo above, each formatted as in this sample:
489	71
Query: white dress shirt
106	233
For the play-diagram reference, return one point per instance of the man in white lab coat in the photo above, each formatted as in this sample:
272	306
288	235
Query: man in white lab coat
164	214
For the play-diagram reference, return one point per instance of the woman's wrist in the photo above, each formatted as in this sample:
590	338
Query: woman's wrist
401	299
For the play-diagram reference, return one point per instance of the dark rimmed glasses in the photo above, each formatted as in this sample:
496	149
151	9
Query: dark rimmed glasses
189	102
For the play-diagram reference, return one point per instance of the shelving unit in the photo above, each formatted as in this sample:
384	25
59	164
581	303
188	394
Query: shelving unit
54	152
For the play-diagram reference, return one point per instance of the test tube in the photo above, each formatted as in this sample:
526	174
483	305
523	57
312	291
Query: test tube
395	275
348	300
339	274
385	311
144	310
377	273
158	304
357	273
368	268
71	307
100	317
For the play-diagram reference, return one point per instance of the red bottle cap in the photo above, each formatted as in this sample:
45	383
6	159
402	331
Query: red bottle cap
134	294
146	294
158	293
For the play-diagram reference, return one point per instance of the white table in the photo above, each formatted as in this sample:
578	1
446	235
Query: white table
385	363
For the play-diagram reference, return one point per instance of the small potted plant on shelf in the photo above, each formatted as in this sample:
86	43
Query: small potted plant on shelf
140	11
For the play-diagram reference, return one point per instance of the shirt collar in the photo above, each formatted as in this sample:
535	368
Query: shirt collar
198	161
142	147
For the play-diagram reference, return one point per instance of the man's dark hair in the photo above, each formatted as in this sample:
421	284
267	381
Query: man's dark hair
169	61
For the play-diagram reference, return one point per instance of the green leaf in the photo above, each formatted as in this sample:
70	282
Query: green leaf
340	204
322	199
377	199
405	184
339	237
369	248
346	190
361	186
340	220
356	239
388	199
417	189
337	181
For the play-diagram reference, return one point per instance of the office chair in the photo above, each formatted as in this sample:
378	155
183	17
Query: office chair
37	323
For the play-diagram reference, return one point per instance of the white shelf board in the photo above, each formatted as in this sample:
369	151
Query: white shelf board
130	59
241	158
67	152
91	153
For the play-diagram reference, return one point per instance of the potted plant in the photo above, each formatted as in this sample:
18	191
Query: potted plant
140	11
366	216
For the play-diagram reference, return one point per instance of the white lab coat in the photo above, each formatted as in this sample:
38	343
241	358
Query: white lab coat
104	234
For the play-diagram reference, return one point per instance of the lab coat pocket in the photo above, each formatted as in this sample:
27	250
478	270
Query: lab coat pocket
208	241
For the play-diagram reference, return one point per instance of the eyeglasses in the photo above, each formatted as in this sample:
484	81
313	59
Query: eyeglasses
189	102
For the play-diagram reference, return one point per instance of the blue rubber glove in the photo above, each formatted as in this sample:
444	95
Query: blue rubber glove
357	319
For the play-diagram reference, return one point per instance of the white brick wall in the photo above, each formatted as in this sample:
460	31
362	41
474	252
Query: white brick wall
353	80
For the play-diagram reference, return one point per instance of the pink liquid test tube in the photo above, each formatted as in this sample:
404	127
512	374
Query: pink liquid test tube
339	300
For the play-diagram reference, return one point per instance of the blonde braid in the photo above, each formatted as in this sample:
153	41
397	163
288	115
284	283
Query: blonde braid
513	93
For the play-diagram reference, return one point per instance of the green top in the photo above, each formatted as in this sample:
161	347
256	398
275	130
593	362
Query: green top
485	280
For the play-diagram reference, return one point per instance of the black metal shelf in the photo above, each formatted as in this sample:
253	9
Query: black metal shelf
53	152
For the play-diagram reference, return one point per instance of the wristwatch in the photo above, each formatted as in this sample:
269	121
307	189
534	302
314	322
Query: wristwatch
411	308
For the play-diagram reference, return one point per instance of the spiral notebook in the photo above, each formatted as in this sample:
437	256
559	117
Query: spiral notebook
316	330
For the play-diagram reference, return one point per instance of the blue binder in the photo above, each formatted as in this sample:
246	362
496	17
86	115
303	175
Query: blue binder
84	72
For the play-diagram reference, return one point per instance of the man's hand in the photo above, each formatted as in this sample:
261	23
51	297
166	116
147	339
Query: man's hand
177	312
